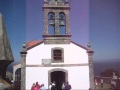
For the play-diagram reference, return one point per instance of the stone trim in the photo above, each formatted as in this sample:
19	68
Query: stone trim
23	66
52	57
59	65
56	35
91	70
57	7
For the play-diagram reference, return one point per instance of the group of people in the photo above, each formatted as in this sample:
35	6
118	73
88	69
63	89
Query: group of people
52	86
101	83
37	86
115	82
65	86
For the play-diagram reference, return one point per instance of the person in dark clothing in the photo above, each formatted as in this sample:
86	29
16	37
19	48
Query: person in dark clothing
118	83
53	87
67	86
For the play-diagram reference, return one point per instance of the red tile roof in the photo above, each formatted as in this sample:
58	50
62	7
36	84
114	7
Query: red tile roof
79	45
32	44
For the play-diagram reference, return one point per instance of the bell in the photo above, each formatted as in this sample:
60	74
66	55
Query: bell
62	20
51	20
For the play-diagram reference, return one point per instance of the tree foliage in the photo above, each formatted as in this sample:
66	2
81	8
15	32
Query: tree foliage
109	72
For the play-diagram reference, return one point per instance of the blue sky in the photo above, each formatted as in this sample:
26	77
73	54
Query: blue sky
13	12
105	28
97	21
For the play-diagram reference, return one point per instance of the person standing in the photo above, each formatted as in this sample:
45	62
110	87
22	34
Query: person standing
37	86
50	86
33	86
43	87
67	86
53	87
101	82
63	86
113	83
95	81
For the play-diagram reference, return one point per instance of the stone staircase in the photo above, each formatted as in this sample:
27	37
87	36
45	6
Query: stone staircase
4	84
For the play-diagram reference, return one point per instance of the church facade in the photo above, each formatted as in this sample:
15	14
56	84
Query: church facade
56	58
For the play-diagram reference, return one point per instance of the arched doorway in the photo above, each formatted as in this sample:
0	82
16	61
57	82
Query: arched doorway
59	76
18	74
17	82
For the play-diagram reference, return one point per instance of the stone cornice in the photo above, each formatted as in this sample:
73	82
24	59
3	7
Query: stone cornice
59	65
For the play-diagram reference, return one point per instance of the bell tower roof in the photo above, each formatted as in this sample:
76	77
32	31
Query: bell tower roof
56	22
5	49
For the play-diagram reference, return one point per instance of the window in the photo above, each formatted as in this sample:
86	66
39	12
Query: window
57	55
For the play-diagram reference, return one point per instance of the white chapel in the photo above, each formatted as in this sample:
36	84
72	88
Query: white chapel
56	57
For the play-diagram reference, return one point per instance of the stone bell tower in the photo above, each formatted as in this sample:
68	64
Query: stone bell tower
56	22
6	56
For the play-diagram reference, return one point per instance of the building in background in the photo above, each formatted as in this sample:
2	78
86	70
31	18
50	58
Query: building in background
56	57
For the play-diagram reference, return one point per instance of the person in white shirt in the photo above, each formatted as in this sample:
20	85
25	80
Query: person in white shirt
43	87
101	81
50	86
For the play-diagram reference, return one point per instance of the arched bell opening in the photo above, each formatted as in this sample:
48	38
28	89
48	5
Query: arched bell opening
51	23
62	23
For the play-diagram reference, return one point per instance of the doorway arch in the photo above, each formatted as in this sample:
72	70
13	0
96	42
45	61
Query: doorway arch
58	75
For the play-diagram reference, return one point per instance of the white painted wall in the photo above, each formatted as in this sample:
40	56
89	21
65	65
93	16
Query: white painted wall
73	54
78	76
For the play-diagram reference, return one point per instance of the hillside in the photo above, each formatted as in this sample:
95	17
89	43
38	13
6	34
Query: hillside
100	66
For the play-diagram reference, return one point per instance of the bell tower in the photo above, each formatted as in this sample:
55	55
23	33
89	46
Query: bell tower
6	56
56	22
